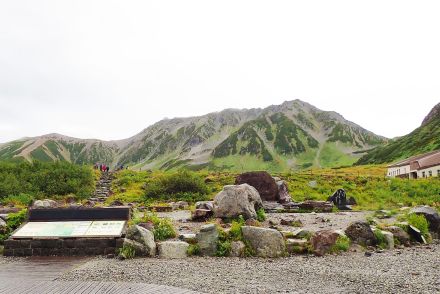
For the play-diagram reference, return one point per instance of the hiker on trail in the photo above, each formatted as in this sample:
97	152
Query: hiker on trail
107	168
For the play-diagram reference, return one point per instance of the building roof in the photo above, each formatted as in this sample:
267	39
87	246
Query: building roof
420	161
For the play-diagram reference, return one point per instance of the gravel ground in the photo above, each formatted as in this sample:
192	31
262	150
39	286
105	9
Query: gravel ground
410	270
311	221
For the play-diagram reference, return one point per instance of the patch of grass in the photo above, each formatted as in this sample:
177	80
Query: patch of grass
21	200
193	250
342	244
381	241
223	248
163	227
127	252
420	222
261	215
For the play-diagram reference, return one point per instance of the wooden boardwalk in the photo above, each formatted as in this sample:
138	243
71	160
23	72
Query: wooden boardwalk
59	287
39	276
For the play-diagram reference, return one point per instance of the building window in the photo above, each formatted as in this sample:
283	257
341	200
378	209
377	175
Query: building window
423	174
438	173
430	173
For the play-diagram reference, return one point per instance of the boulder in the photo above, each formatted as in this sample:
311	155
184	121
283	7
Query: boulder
46	203
322	241
139	248
173	249
201	215
283	192
207	240
237	249
318	206
400	235
207	205
265	242
431	216
389	239
361	233
236	200
296	246
116	203
144	237
188	238
263	182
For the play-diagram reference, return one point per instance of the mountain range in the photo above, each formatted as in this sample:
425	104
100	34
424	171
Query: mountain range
293	135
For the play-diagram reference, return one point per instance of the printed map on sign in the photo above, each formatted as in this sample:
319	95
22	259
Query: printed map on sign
71	229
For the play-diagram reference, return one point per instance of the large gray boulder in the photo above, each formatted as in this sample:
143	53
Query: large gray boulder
361	233
236	200
173	249
265	242
207	240
139	248
431	216
400	235
144	237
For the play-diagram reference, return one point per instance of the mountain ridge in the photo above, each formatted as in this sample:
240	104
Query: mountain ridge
294	134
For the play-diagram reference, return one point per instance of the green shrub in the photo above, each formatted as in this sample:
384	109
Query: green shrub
127	252
181	185
342	244
381	241
14	221
261	215
420	222
223	248
235	233
21	199
193	250
163	227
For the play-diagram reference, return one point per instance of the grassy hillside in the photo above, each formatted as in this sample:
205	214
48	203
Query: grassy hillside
424	139
367	184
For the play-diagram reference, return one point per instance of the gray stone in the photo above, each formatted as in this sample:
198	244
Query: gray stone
4	216
283	192
399	234
236	200
144	237
46	203
173	249
201	215
361	233
139	248
389	239
189	238
295	246
237	249
208	205
207	240
265	242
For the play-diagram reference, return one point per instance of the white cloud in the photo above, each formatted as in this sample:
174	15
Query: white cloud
107	69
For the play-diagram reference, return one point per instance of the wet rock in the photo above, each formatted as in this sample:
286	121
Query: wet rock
265	242
361	233
207	239
173	249
236	200
263	182
322	241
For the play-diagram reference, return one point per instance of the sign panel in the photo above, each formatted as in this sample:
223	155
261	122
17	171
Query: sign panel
70	229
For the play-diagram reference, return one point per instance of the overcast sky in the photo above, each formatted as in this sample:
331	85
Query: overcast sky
108	69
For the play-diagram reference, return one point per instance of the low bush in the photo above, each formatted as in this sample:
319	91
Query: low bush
261	215
163	227
342	244
193	250
127	252
381	241
420	222
14	221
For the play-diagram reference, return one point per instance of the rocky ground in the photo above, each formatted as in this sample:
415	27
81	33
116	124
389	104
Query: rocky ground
410	270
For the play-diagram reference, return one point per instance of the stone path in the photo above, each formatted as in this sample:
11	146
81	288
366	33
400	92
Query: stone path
40	275
103	187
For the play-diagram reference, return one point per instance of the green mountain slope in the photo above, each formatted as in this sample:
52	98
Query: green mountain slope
293	135
423	139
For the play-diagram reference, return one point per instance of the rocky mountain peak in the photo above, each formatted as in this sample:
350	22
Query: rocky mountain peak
434	113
